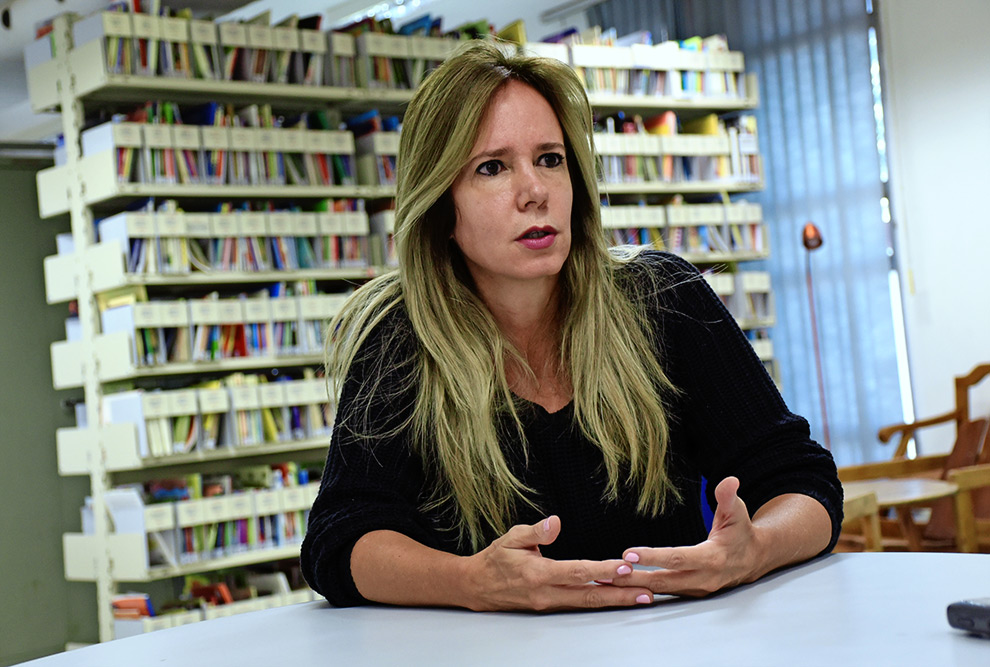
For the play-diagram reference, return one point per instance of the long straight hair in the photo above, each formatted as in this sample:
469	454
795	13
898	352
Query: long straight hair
462	408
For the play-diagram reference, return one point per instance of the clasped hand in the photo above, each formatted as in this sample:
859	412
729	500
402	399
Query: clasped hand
511	574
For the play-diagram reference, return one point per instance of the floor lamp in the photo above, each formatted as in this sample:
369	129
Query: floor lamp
811	237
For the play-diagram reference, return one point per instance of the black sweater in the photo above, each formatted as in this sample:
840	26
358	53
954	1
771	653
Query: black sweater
728	419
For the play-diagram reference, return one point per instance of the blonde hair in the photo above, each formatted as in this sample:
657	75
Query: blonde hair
461	405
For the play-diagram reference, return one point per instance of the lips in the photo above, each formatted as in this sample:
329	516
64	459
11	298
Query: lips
536	233
538	238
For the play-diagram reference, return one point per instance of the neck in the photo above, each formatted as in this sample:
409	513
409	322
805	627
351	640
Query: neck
526	313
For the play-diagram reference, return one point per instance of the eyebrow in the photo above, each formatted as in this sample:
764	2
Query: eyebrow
499	152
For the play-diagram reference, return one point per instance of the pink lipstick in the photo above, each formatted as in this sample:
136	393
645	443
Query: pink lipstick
538	238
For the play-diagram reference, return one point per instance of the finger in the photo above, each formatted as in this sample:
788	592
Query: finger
576	572
691	583
527	537
730	507
671	558
590	596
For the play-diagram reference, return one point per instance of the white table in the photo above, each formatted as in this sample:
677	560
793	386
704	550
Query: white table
843	609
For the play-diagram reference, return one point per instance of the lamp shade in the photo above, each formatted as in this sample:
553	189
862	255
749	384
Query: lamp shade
811	237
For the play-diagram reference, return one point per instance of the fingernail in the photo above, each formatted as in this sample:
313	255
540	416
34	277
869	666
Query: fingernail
644	599
623	569
633	557
546	524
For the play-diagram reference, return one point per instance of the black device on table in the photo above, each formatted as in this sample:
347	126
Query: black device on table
971	615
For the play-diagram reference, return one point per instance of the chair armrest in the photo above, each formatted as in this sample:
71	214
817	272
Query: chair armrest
907	431
895	468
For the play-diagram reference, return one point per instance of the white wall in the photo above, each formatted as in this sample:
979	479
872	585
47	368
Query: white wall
938	115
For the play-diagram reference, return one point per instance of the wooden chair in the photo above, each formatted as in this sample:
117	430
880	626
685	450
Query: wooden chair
970	448
972	528
863	513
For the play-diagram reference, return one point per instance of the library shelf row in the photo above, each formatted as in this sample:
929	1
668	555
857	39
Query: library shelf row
155	541
105	265
118	445
94	85
679	187
608	103
113	353
127	627
101	187
128	549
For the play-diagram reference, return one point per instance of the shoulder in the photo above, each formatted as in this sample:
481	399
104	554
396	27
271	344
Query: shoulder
656	277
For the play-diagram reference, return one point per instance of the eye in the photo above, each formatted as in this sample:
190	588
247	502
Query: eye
490	168
551	160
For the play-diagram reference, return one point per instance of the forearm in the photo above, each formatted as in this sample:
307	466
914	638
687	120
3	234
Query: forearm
395	569
789	529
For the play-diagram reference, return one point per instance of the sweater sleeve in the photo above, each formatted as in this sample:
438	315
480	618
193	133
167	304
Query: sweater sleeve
372	479
733	417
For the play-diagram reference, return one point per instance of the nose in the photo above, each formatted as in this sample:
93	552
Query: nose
531	191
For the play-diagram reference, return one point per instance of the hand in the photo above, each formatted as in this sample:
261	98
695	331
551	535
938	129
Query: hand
512	574
731	555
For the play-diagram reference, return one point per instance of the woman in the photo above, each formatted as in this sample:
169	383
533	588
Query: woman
526	414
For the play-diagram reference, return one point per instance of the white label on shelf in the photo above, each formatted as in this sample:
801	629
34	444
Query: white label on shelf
748	144
198	225
316	307
260	36
271	395
170	225
157	136
232	33
312	41
174	313
213	401
285	309
154	404
224	224
280	223
117	23
356	223
215	137
231	311
244	397
187	136
297	392
252	224
304	224
267	502
342	45
338	142
257	310
183	402
286	39
127	134
202	32
204	311
174	29
292	141
189	513
146	26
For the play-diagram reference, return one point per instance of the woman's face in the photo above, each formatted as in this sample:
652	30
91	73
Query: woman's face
512	199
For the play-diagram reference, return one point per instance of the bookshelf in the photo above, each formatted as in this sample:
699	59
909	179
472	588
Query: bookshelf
669	180
117	365
108	361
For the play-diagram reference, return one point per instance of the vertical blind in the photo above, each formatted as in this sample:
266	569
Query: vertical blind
818	136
